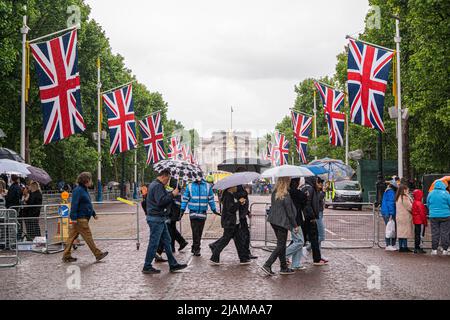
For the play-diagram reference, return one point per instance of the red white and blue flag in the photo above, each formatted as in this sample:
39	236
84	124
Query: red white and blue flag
333	101
302	128
122	126
59	86
187	153
175	149
153	136
368	71
280	150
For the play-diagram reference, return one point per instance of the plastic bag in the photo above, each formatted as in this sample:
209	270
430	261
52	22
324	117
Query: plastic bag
390	229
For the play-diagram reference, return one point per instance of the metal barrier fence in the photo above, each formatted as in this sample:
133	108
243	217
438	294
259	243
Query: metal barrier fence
55	197
9	256
342	230
120	225
212	230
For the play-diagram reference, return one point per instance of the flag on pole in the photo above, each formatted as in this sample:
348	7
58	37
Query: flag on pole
280	150
153	135
175	149
59	86
302	128
333	100
368	71
121	123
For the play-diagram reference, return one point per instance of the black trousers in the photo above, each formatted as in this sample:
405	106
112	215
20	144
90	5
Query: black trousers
237	234
313	236
280	250
197	227
175	235
419	231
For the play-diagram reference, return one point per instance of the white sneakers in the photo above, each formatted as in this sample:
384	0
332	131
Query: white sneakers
391	248
434	252
445	253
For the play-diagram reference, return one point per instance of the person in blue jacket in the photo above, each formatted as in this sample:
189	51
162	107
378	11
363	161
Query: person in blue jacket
197	197
81	211
438	203
388	211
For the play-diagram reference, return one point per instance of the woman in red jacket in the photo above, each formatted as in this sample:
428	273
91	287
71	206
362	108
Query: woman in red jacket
419	213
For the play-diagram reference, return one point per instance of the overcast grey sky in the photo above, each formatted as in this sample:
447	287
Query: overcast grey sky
207	55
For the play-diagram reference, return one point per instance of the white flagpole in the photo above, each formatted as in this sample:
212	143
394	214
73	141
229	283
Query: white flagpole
99	138
397	40
24	30
315	120
347	124
135	175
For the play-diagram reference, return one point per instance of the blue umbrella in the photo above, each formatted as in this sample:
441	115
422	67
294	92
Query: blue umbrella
337	169
316	170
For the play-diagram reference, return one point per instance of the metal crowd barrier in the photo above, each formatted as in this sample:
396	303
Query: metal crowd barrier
212	230
9	255
349	230
50	225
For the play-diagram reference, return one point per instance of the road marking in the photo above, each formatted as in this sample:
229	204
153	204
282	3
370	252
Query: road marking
330	232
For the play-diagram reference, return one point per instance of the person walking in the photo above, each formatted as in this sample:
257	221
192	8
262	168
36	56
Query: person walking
231	221
34	199
81	211
403	208
197	197
158	199
438	202
175	215
282	217
295	248
419	214
388	211
320	224
311	215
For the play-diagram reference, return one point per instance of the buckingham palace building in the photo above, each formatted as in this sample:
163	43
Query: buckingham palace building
225	145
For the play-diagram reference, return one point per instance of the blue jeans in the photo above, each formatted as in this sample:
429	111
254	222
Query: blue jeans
158	232
296	248
390	241
321	228
403	243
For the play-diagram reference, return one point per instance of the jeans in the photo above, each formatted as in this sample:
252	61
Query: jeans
197	226
403	243
280	250
321	228
440	229
390	241
419	233
158	232
235	233
312	232
296	248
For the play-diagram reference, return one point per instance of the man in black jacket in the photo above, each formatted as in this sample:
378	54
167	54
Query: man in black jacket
231	220
14	195
311	214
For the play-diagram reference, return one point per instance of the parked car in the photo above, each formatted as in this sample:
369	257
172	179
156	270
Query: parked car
346	192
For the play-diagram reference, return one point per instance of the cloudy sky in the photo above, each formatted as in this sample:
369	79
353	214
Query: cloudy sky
205	56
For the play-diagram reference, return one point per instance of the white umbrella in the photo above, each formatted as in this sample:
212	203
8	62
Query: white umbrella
13	167
236	179
287	171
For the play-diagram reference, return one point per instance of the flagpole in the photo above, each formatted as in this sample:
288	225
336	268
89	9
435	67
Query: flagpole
232	119
370	44
397	40
99	138
315	121
135	175
24	30
54	33
347	124
118	87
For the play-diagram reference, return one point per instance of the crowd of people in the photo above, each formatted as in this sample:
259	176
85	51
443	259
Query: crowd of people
410	216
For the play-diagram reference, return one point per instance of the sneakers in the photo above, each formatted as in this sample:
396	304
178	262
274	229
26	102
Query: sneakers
178	267
268	270
245	262
287	271
214	262
445	253
434	252
299	268
101	256
69	259
390	248
150	270
183	245
321	263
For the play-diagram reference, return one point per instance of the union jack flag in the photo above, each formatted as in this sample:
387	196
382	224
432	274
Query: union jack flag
333	100
302	129
368	71
187	153
59	86
153	135
280	151
175	149
122	127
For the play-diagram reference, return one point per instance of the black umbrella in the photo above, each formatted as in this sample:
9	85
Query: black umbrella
180	169
39	175
6	153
